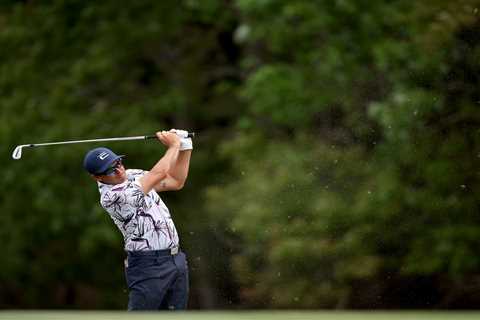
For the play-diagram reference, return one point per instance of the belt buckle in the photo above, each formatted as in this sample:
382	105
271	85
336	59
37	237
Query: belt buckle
173	251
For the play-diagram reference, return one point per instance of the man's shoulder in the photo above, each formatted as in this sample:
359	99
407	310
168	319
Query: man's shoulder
110	196
109	191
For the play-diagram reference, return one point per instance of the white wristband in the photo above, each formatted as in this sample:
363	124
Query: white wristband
186	144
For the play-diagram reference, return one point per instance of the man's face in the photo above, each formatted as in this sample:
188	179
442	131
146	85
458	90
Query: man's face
114	175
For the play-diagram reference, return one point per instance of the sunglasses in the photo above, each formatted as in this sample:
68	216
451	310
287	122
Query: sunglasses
111	170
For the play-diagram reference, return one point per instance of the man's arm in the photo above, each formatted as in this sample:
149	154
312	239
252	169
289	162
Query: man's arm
160	170
177	175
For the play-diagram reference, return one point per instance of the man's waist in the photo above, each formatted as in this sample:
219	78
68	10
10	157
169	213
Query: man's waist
154	253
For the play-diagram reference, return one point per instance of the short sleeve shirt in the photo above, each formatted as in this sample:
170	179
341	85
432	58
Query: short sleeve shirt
143	219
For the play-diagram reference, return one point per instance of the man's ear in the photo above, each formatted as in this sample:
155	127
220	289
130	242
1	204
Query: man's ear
97	178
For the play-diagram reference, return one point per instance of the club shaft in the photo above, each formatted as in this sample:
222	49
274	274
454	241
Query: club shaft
190	134
89	140
17	153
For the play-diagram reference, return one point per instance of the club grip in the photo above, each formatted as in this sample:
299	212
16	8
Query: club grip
152	136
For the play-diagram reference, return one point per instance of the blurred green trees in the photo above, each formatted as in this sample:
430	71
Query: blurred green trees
336	165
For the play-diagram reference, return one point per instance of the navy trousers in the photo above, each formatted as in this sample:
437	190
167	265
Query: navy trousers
157	280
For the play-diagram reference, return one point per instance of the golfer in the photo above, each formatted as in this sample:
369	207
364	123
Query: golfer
156	270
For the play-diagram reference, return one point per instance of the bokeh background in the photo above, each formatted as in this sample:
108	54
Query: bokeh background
336	163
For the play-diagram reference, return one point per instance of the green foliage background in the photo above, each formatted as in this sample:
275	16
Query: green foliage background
336	165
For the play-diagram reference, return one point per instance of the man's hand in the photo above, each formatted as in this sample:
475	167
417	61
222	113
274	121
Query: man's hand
185	142
168	138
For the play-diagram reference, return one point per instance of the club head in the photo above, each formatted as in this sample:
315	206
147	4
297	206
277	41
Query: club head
17	153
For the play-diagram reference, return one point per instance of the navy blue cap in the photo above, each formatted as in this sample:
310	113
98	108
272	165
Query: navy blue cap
98	160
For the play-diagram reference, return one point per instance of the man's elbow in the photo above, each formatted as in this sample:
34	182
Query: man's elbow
179	185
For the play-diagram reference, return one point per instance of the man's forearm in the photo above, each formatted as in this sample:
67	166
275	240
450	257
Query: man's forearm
179	170
167	162
160	170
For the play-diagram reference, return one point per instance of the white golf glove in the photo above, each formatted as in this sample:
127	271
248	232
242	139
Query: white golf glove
181	133
186	143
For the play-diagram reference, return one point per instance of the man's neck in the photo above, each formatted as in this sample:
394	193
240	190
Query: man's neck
112	181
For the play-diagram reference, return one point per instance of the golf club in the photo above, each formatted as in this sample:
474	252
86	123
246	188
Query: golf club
17	153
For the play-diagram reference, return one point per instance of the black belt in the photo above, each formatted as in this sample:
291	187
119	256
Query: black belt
154	253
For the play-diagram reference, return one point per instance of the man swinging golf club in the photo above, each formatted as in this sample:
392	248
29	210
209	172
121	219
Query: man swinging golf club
156	270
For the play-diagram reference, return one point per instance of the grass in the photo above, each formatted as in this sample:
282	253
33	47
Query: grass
239	315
